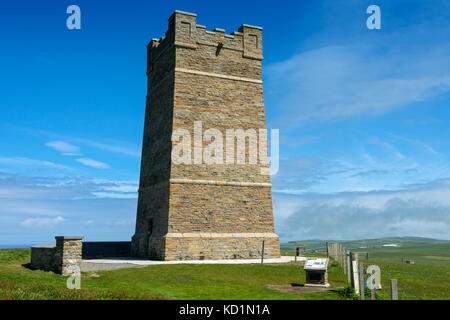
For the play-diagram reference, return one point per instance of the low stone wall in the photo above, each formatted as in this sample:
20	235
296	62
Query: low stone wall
68	254
65	255
62	256
43	256
104	249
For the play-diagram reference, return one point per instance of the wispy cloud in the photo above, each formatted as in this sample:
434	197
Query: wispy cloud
22	161
390	147
40	222
93	163
27	189
417	142
121	147
44	201
65	148
118	147
371	77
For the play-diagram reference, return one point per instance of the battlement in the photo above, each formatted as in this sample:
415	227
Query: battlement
183	31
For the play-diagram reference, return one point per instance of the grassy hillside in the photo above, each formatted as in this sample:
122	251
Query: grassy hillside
415	281
161	281
428	278
420	250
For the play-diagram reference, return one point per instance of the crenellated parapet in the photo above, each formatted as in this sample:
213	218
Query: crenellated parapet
184	32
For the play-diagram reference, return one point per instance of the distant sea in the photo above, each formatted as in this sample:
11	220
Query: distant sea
14	246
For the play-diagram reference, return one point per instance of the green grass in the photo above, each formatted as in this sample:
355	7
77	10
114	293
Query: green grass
428	278
415	281
19	282
160	281
435	254
190	281
420	250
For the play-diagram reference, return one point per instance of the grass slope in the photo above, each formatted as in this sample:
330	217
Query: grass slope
160	281
417	281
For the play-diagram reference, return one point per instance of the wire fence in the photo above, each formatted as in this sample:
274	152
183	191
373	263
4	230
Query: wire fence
361	276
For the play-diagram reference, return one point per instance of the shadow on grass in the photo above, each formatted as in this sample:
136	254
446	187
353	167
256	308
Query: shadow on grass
28	266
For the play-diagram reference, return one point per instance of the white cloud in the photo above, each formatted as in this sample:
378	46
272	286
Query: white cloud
117	147
370	77
93	163
417	142
65	148
121	147
25	191
115	195
40	222
29	200
421	210
21	162
121	223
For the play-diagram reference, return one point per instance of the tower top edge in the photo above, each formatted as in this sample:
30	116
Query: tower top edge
184	31
184	13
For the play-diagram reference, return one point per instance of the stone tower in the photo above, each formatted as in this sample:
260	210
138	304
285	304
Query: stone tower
203	211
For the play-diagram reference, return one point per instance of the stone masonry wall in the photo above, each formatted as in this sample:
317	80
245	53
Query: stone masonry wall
208	246
63	256
203	211
68	254
43	258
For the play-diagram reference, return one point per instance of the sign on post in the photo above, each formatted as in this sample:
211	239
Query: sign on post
317	272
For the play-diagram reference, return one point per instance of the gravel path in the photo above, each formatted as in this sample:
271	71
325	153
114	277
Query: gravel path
120	263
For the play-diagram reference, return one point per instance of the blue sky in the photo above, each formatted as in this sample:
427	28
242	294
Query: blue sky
363	115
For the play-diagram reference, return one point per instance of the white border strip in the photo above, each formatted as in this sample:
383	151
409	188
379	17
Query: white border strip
217	75
221	183
215	235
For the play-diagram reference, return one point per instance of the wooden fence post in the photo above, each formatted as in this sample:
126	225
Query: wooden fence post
361	280
344	261
338	248
355	275
339	254
394	290
373	296
349	268
262	252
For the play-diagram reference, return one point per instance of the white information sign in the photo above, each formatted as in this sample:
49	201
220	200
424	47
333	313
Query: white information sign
316	264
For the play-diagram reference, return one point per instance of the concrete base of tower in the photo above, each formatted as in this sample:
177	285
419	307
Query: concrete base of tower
213	246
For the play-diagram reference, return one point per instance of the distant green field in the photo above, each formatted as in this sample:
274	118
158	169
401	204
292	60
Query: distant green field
427	278
419	250
415	281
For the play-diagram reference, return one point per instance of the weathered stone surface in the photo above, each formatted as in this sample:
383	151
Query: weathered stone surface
43	256
62	257
202	211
